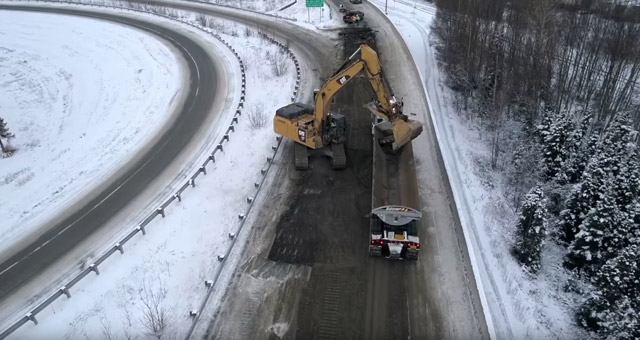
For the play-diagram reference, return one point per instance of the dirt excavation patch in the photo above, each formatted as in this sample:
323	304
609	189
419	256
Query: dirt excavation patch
326	226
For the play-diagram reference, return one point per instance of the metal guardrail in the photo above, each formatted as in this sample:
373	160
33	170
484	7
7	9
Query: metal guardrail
191	182
288	5
211	284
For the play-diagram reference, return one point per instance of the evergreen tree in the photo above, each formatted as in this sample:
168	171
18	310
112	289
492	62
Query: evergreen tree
557	137
4	133
602	234
616	144
614	166
595	183
612	320
531	230
612	309
620	276
626	185
581	148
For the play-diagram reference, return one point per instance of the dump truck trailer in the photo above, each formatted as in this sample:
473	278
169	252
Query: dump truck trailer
395	214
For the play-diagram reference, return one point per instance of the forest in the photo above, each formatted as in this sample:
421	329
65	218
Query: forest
555	85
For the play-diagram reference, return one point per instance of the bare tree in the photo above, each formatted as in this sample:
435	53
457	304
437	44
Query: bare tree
155	318
279	63
257	116
107	330
202	20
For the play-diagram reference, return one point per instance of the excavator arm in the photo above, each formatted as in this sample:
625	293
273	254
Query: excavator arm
368	61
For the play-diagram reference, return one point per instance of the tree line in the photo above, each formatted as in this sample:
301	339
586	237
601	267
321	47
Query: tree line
519	57
566	72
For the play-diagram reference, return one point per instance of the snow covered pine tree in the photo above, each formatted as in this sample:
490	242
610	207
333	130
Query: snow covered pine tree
603	233
557	138
4	133
612	310
531	230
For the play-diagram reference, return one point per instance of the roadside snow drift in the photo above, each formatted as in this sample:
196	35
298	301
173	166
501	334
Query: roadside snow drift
82	96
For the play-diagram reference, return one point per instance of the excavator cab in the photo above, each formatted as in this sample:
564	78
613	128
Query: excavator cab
337	132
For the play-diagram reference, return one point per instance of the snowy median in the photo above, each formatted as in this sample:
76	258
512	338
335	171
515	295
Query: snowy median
166	270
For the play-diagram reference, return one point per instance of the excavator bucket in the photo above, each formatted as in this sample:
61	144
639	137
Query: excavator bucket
404	132
398	133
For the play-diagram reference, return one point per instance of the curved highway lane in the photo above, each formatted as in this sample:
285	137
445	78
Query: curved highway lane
90	215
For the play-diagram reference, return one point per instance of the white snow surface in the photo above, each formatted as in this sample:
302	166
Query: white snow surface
520	306
180	251
324	17
82	96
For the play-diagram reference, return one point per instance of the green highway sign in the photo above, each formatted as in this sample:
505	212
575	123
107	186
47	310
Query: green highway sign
315	3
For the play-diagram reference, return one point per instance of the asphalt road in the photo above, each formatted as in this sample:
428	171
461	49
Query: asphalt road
89	216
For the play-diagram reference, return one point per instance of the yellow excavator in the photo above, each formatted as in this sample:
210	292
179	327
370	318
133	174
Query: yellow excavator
315	127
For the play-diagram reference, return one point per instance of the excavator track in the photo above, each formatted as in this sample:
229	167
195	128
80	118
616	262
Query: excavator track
301	156
338	156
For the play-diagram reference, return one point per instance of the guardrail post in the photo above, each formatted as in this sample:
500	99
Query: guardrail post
193	313
208	283
192	182
238	112
256	184
241	216
232	235
94	268
235	120
263	172
65	291
141	228
278	138
226	136
274	148
31	317
269	159
231	128
160	211
177	194
220	257
203	169
119	247
219	147
249	199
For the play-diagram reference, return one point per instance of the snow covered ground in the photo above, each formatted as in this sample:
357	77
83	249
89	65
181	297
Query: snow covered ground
316	17
72	96
169	265
520	306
